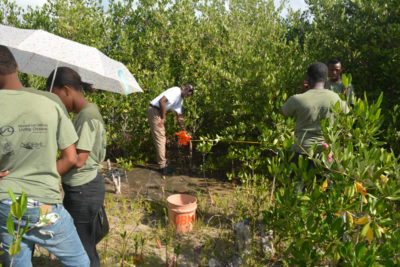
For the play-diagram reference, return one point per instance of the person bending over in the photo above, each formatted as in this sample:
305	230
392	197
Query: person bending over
171	99
83	186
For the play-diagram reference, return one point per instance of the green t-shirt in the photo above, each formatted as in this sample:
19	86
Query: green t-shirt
32	129
89	126
52	96
308	108
339	88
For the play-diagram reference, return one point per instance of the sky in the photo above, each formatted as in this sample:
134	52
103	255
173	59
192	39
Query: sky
25	3
295	4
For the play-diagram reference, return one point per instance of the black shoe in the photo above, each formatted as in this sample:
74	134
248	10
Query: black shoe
166	170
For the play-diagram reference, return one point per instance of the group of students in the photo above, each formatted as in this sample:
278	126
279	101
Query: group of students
34	127
312	104
38	144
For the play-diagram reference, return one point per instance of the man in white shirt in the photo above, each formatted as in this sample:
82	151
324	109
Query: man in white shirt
171	99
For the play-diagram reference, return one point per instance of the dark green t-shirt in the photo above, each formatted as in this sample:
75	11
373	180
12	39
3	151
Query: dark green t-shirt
32	130
89	126
308	108
339	88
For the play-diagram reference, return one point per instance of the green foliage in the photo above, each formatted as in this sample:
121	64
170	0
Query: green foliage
125	164
17	210
352	31
346	80
347	211
235	56
245	60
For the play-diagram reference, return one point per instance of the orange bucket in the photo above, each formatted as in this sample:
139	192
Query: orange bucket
182	212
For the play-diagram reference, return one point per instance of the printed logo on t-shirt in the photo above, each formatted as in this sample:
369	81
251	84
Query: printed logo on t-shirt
32	145
6	130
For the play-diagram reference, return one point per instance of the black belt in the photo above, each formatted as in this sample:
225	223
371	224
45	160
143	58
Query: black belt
154	106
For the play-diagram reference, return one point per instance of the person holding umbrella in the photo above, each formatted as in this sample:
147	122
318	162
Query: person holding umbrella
171	99
32	130
83	186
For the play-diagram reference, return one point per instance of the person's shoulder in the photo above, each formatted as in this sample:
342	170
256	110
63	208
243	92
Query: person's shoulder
34	91
173	93
89	112
295	96
89	108
330	93
327	91
36	94
293	99
55	98
174	89
43	93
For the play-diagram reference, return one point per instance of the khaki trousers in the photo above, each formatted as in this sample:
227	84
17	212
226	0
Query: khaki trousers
158	133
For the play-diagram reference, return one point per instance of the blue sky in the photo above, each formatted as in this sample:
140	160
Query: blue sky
295	4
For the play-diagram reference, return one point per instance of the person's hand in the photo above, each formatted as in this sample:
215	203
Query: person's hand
4	174
161	123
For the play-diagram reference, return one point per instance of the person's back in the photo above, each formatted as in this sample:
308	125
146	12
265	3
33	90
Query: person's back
83	186
308	109
88	119
32	130
29	145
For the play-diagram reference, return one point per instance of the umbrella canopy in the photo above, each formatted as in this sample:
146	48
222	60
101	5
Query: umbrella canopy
39	52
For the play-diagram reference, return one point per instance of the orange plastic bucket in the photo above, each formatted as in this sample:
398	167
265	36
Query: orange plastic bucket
182	212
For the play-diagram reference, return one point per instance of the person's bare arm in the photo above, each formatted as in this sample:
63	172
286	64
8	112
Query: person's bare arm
181	123
67	159
82	157
162	102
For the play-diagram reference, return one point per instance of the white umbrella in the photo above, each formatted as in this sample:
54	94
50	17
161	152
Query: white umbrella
39	52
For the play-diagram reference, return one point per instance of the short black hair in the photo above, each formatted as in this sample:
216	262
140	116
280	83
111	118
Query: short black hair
189	87
8	64
68	77
334	61
317	72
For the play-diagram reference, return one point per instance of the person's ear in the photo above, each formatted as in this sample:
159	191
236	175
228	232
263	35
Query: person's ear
67	90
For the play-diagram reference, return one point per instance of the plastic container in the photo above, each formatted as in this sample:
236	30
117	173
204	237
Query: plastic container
182	212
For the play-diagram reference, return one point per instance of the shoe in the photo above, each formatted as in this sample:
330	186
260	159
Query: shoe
166	170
